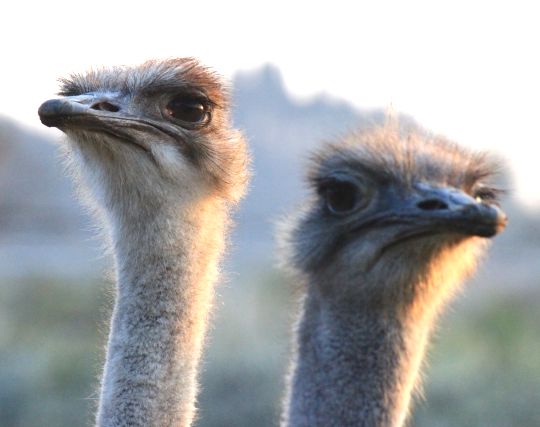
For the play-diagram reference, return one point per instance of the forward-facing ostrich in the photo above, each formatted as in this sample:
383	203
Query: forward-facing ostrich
395	223
162	166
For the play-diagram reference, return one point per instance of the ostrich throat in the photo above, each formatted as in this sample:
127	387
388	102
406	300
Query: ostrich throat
369	381
166	266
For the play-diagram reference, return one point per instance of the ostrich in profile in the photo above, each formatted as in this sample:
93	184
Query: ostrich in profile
161	165
396	221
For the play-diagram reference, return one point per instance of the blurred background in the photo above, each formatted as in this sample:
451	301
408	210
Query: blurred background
299	74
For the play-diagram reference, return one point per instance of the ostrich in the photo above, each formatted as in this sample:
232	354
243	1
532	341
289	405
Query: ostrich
396	221
162	167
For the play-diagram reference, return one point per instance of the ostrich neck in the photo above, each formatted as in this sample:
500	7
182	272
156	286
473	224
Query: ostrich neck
355	365
166	265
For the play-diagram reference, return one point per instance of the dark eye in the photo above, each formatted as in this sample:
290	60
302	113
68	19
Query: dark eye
340	196
486	195
189	109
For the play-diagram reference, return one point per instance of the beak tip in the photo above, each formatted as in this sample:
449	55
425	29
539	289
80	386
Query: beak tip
50	111
50	107
55	111
494	223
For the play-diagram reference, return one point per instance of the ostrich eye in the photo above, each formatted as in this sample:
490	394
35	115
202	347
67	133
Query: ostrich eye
340	196
486	195
189	109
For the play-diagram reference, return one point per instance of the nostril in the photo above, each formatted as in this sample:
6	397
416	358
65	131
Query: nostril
432	205
105	106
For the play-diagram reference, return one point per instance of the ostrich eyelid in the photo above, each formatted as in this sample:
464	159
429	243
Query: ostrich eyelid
358	198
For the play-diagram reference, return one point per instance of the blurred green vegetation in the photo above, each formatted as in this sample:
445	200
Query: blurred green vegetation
49	352
483	370
485	367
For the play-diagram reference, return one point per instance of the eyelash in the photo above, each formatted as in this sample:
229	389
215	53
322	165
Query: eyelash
486	194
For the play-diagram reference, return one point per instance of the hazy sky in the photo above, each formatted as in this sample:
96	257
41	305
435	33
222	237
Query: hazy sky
467	69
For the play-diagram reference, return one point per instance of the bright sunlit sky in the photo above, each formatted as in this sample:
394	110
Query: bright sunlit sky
467	69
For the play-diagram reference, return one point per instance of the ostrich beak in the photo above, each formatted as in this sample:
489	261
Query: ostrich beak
104	113
455	211
83	110
55	111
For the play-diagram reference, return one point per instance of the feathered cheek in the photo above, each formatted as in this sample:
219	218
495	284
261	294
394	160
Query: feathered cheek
167	156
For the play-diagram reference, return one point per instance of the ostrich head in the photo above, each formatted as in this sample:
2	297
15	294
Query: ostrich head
392	212
148	133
